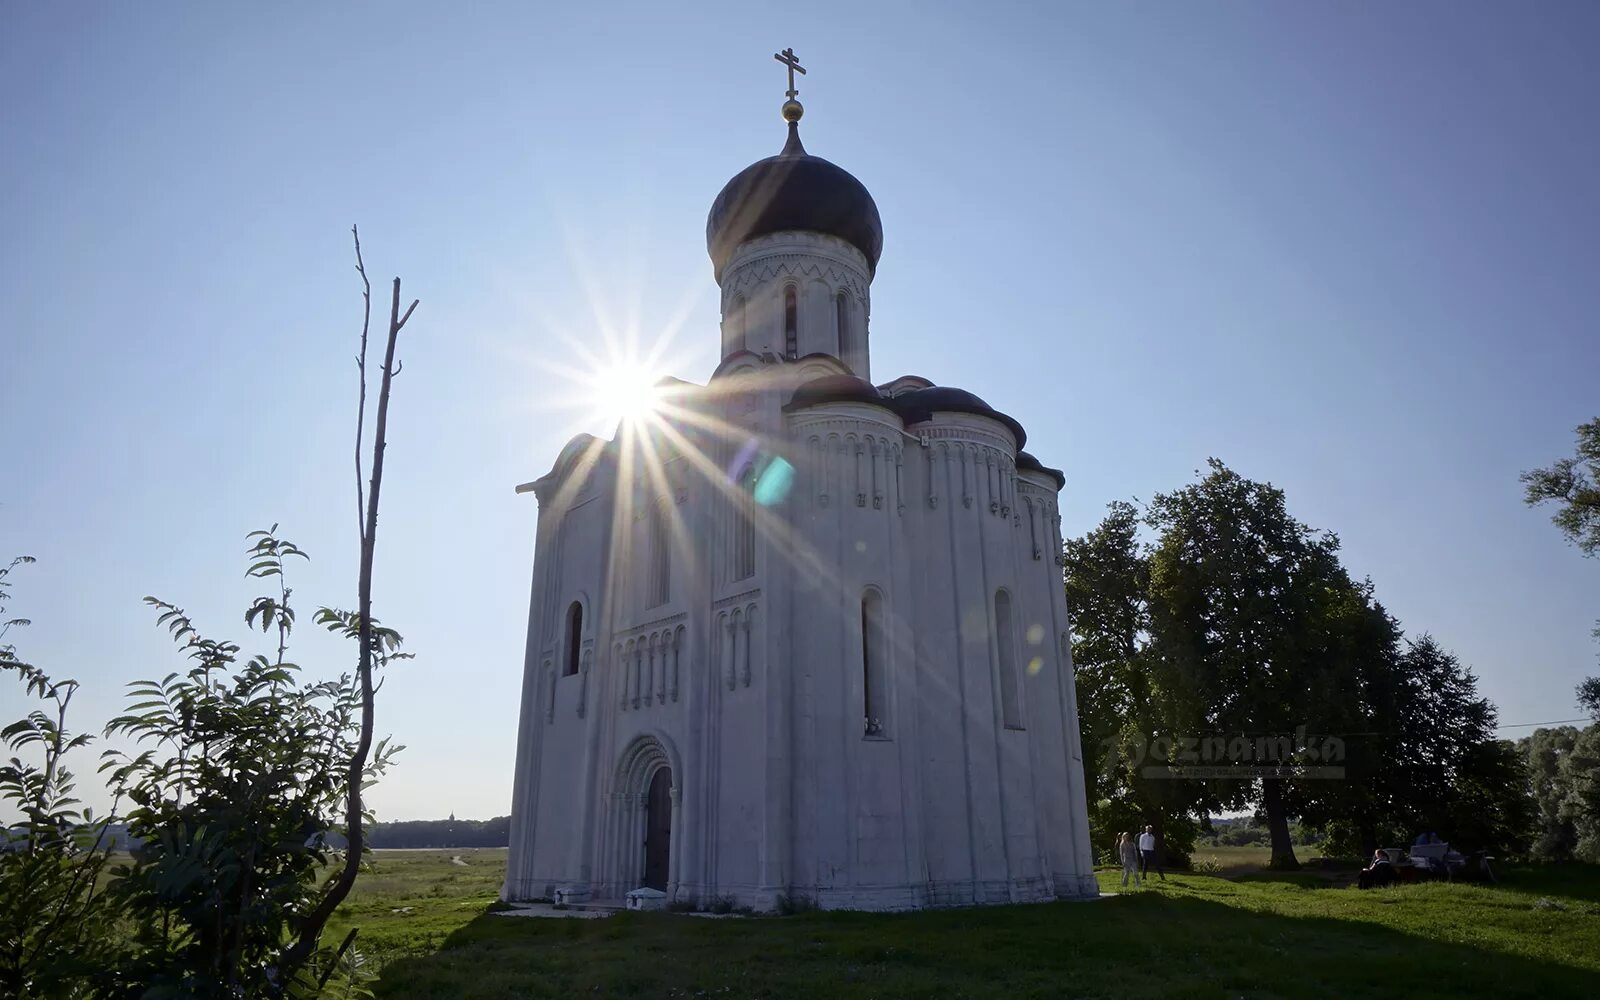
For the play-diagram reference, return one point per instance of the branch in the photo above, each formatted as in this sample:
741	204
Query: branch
361	367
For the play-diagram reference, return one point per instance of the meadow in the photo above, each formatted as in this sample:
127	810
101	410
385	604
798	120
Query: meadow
1243	932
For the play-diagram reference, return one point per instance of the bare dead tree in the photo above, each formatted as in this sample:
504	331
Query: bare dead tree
310	932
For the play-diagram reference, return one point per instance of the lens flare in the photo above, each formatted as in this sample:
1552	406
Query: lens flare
774	482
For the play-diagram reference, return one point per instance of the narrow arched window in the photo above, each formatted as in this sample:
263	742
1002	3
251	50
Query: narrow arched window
744	529
660	555
791	323
841	322
737	332
574	638
874	664
1006	661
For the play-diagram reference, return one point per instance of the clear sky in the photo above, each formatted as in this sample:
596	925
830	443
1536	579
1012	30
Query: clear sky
1348	248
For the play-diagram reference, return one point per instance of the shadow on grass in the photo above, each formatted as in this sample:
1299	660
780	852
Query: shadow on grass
1152	944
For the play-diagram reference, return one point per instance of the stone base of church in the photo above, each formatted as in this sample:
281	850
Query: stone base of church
879	898
1077	887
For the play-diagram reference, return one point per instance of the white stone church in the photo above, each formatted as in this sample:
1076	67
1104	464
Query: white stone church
800	633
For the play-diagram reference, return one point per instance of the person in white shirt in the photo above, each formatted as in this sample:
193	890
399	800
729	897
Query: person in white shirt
1147	853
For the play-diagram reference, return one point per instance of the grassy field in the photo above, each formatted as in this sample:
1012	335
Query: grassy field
1243	933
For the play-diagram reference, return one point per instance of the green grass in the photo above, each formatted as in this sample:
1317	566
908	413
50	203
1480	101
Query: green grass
407	903
1251	934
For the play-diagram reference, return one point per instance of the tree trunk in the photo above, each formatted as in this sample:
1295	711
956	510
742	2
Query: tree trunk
1283	858
1367	833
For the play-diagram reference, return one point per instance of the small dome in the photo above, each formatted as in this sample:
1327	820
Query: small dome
835	389
920	404
793	190
1027	462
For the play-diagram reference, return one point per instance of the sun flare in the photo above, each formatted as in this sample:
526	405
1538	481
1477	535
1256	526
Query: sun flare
625	391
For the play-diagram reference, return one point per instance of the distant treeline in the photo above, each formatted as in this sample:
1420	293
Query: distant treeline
406	833
437	833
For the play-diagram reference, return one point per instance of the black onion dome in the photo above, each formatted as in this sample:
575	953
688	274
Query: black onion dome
919	404
793	190
835	389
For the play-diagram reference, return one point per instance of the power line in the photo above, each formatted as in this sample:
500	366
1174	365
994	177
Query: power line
1525	725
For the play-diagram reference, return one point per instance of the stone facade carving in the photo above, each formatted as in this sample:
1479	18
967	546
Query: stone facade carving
815	269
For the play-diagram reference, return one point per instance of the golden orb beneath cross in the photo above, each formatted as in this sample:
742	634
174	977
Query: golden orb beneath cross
792	110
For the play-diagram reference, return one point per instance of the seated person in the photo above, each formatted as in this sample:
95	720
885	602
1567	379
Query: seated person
1380	872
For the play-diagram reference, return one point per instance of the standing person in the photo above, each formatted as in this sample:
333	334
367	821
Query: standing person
1147	853
1128	854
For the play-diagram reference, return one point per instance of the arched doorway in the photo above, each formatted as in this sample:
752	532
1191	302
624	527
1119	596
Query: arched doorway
658	829
639	841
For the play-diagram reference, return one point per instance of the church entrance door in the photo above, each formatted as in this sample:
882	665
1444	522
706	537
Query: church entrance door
658	829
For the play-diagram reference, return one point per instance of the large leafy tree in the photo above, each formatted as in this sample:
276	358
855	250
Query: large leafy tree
1238	627
1244	602
1563	765
1445	770
1360	793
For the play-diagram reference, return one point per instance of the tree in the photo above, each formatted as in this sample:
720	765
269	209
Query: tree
1491	807
1241	595
1357	805
1107	579
1589	696
1563	764
1573	484
1449	768
1582	802
360	625
1121	711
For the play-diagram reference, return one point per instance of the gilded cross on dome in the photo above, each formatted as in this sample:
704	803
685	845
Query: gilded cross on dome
791	108
789	59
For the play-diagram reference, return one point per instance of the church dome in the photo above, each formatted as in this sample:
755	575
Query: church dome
918	405
835	389
1027	462
793	190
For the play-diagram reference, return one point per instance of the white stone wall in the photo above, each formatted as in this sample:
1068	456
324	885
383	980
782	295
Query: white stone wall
855	838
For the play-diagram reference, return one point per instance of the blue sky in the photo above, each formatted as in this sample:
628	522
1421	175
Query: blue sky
1346	248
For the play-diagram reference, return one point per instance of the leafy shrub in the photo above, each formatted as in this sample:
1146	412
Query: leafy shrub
244	769
58	927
